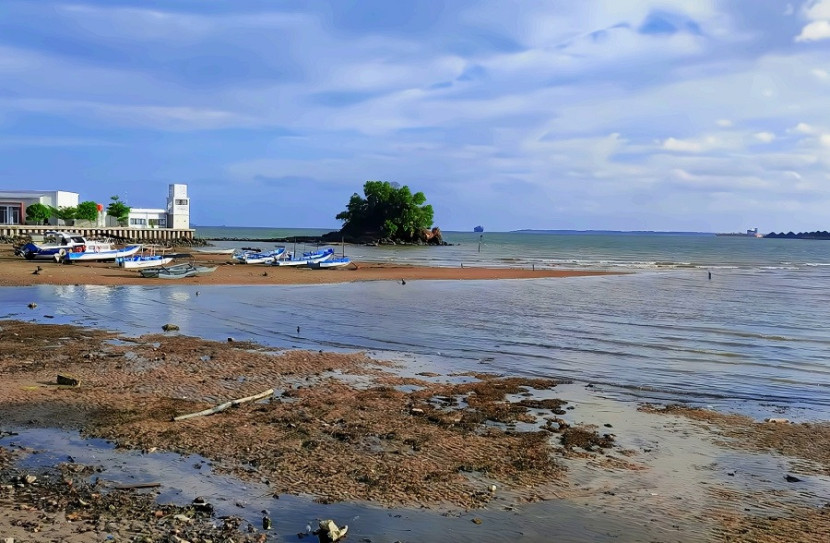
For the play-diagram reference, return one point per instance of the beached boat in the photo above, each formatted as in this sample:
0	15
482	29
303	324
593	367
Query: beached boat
265	257
216	251
177	271
305	258
330	263
57	244
143	261
100	251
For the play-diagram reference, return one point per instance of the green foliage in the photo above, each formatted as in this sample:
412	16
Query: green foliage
118	209
38	213
65	213
87	211
387	208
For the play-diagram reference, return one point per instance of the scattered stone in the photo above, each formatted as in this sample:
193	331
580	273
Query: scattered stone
329	532
791	479
32	305
170	327
68	381
777	420
477	520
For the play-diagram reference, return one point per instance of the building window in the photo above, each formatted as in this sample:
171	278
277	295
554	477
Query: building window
162	221
137	222
9	214
181	202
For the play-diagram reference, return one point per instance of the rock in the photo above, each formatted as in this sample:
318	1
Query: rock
30	479
32	305
791	479
777	420
170	327
329	532
66	380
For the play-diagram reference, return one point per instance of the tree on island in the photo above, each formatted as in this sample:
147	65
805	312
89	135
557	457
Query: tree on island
389	211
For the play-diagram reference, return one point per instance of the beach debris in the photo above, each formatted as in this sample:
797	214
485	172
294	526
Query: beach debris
201	504
329	532
135	486
791	478
491	488
403	282
777	420
170	327
226	405
32	305
66	380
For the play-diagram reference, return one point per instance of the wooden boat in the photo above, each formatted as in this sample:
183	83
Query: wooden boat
100	252
306	258
265	257
216	251
177	271
330	263
143	261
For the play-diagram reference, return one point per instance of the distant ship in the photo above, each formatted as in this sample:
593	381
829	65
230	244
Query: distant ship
478	229
751	233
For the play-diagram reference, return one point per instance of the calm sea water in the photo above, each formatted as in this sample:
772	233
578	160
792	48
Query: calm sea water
755	337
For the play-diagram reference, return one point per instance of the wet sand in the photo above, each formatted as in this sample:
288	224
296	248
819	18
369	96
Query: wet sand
16	271
348	428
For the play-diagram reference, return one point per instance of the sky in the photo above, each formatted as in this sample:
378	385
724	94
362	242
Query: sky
623	115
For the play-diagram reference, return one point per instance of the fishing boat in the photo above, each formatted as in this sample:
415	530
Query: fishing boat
216	251
177	271
56	244
98	252
142	261
265	257
330	263
147	259
306	258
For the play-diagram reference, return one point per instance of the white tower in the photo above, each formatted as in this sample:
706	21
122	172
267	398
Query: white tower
178	207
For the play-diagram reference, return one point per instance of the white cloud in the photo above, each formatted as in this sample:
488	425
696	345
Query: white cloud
672	144
824	75
825	140
724	123
765	137
815	31
818	9
803	128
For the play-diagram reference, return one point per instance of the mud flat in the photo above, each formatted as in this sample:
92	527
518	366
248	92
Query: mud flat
380	448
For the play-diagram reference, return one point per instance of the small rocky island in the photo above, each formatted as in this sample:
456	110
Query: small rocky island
387	214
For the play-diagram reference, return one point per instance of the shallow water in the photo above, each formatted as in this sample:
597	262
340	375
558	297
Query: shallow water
752	340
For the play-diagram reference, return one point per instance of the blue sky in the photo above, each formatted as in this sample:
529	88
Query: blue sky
628	115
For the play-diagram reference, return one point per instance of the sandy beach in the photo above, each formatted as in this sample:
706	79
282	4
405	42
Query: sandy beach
16	271
348	428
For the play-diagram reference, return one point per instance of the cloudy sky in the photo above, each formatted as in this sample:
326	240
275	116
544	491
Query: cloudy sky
619	114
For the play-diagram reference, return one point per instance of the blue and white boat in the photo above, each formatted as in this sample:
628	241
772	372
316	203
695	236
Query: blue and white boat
55	245
330	263
253	257
142	261
100	252
305	258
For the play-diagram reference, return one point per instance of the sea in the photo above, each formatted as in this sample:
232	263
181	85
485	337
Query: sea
734	323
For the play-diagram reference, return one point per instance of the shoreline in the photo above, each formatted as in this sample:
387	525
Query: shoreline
367	433
16	271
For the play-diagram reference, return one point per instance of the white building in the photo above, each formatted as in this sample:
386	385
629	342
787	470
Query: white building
13	203
175	215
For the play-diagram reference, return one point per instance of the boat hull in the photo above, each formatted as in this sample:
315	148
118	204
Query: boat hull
93	256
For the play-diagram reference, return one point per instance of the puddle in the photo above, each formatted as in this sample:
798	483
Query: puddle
183	478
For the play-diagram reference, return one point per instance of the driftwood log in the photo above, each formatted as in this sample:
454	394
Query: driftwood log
226	405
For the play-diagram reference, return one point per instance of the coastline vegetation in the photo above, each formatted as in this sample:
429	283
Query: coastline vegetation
388	212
